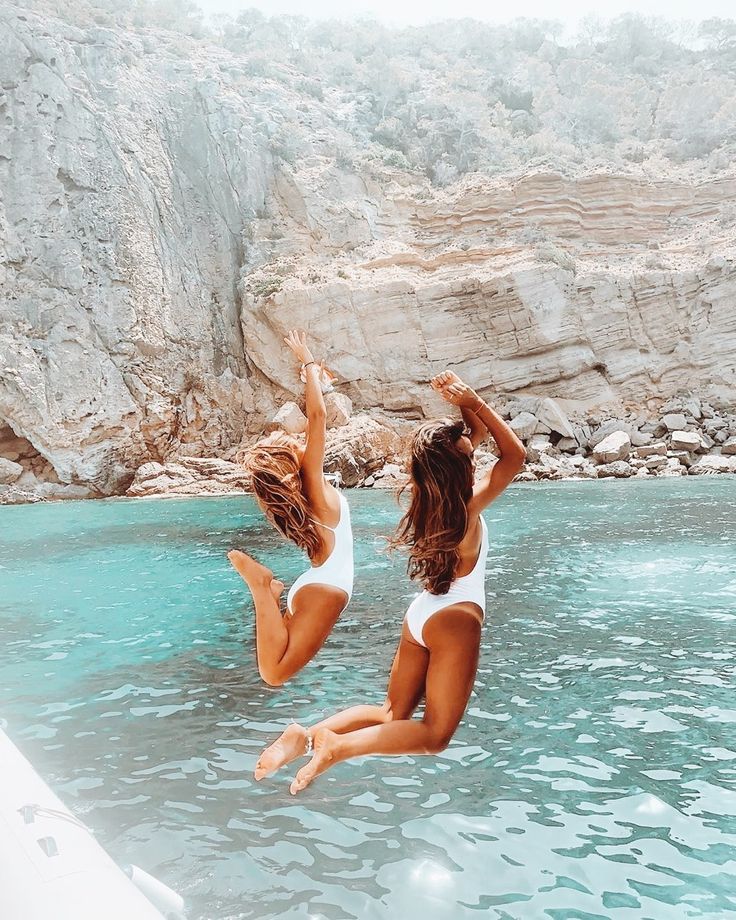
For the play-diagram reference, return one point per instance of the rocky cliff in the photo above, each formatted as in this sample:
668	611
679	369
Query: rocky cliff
156	241
597	290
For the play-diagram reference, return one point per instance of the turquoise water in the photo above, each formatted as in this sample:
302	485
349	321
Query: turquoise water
593	775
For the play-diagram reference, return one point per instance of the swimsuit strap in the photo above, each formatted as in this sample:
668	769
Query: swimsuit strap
315	521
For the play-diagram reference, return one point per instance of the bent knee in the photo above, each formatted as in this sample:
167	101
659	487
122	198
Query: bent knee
273	678
387	711
439	740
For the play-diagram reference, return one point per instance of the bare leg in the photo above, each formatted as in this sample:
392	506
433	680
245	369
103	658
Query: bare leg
285	644
272	636
406	687
453	639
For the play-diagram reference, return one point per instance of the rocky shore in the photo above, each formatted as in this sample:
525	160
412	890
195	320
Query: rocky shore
684	436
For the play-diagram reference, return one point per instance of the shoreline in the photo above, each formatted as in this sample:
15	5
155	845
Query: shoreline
686	436
178	496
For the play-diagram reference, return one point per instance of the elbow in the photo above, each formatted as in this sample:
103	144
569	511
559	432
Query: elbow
317	415
519	457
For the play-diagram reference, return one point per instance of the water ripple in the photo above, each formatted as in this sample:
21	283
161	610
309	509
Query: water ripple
594	774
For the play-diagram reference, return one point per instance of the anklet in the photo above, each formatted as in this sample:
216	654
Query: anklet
308	746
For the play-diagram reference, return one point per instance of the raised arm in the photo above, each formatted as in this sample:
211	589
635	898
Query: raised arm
314	453
512	452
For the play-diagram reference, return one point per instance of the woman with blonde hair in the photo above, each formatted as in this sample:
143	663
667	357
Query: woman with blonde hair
291	489
438	651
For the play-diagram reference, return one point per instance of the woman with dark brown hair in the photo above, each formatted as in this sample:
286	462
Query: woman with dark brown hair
437	655
290	486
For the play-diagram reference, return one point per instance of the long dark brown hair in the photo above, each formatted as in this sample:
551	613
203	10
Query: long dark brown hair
274	470
441	486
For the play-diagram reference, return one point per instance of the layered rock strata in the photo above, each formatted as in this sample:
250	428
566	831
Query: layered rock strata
155	246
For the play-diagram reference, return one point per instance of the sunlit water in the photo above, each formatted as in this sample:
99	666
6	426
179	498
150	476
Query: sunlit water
593	775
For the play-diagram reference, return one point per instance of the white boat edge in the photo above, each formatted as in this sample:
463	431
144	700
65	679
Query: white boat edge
51	866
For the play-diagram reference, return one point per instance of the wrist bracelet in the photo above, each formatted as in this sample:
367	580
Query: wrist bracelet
305	366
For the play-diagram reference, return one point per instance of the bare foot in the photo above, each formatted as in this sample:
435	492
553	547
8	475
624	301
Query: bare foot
325	753
288	747
249	569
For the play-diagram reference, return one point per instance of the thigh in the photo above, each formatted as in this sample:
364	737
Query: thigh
316	597
453	640
316	609
408	676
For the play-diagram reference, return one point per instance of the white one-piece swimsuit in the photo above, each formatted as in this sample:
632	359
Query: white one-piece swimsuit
468	588
337	569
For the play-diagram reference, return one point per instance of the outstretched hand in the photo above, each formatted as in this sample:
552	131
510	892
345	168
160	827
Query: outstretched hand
452	389
297	342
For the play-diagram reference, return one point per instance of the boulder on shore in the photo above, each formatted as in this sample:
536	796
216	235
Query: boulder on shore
339	409
189	476
713	463
392	476
657	448
524	425
360	448
538	445
550	414
607	428
729	446
619	469
686	440
9	471
289	418
674	421
615	446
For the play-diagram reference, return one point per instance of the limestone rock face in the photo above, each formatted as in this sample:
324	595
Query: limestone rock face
127	178
412	302
360	448
616	446
156	246
189	476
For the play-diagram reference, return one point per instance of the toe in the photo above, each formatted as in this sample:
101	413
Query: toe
301	781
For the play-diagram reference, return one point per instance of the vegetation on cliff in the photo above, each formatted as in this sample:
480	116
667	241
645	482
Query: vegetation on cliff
452	98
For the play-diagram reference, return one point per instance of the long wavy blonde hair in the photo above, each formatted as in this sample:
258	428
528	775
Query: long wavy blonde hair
276	481
441	486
